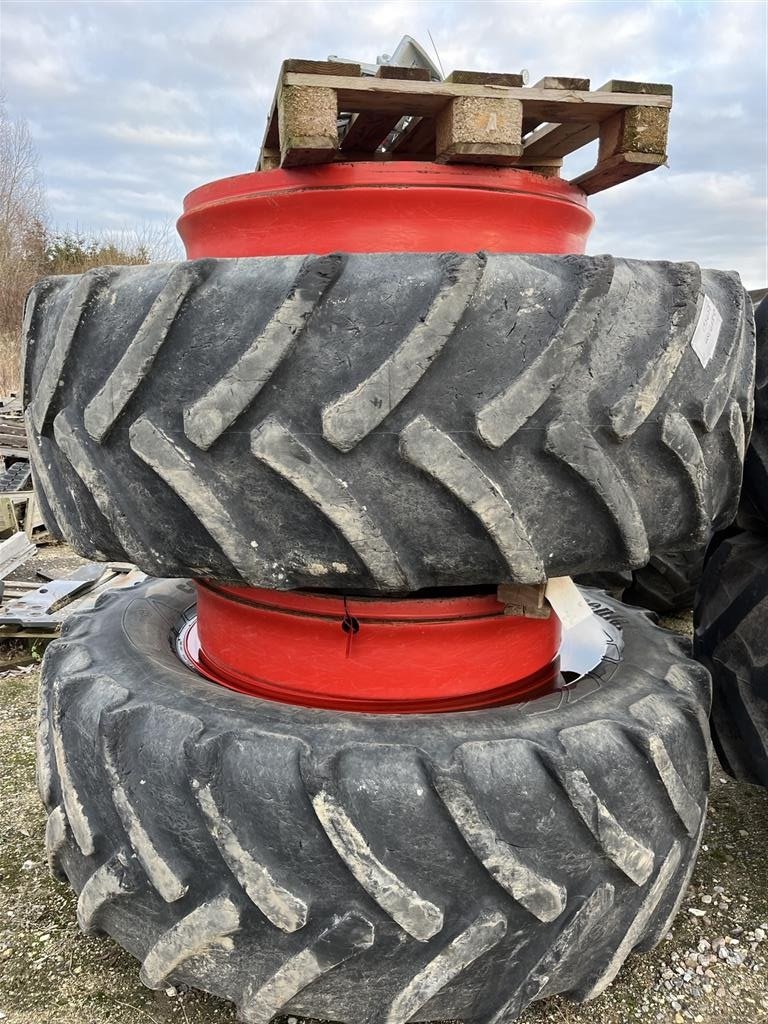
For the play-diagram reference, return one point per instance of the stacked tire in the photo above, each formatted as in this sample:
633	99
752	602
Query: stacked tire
731	615
379	424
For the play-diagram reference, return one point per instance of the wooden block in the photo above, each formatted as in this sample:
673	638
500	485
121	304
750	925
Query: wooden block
637	130
307	117
484	78
269	157
616	169
472	130
525	600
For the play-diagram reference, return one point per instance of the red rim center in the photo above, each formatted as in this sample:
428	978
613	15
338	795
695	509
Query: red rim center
396	656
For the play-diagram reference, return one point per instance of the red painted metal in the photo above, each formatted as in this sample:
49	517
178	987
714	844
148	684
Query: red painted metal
399	206
404	656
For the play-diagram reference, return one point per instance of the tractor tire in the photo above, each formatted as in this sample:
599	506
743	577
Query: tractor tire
368	868
731	639
389	422
668	583
753	511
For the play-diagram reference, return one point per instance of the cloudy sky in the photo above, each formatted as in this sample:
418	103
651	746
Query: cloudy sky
132	104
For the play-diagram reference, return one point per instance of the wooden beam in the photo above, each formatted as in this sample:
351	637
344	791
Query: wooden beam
402	74
632	141
421	98
616	169
418	140
554	82
484	78
368	130
474	130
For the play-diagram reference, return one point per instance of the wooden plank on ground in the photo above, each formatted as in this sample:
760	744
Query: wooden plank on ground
32	516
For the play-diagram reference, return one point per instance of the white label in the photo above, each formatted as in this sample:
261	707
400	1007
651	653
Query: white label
567	602
707	331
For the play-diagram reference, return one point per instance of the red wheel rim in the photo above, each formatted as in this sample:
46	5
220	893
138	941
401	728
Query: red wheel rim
395	656
399	206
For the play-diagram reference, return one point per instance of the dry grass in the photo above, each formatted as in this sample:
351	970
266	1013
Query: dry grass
10	363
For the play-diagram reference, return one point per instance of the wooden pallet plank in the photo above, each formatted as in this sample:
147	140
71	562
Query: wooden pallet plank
561	82
560	139
617	169
485	78
422	98
632	141
474	130
417	141
368	130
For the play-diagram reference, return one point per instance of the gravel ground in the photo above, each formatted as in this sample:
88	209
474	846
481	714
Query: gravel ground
712	968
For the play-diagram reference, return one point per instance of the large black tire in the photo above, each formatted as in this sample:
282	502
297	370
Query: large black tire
387	422
753	511
668	583
369	868
731	639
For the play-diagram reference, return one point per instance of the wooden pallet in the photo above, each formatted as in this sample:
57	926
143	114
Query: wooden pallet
13	433
325	111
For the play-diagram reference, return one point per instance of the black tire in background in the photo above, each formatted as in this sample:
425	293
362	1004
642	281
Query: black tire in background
388	422
731	640
753	511
369	868
666	585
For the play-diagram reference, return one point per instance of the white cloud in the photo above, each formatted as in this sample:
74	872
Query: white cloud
154	135
133	104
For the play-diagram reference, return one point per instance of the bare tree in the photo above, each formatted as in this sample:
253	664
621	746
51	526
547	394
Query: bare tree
22	235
